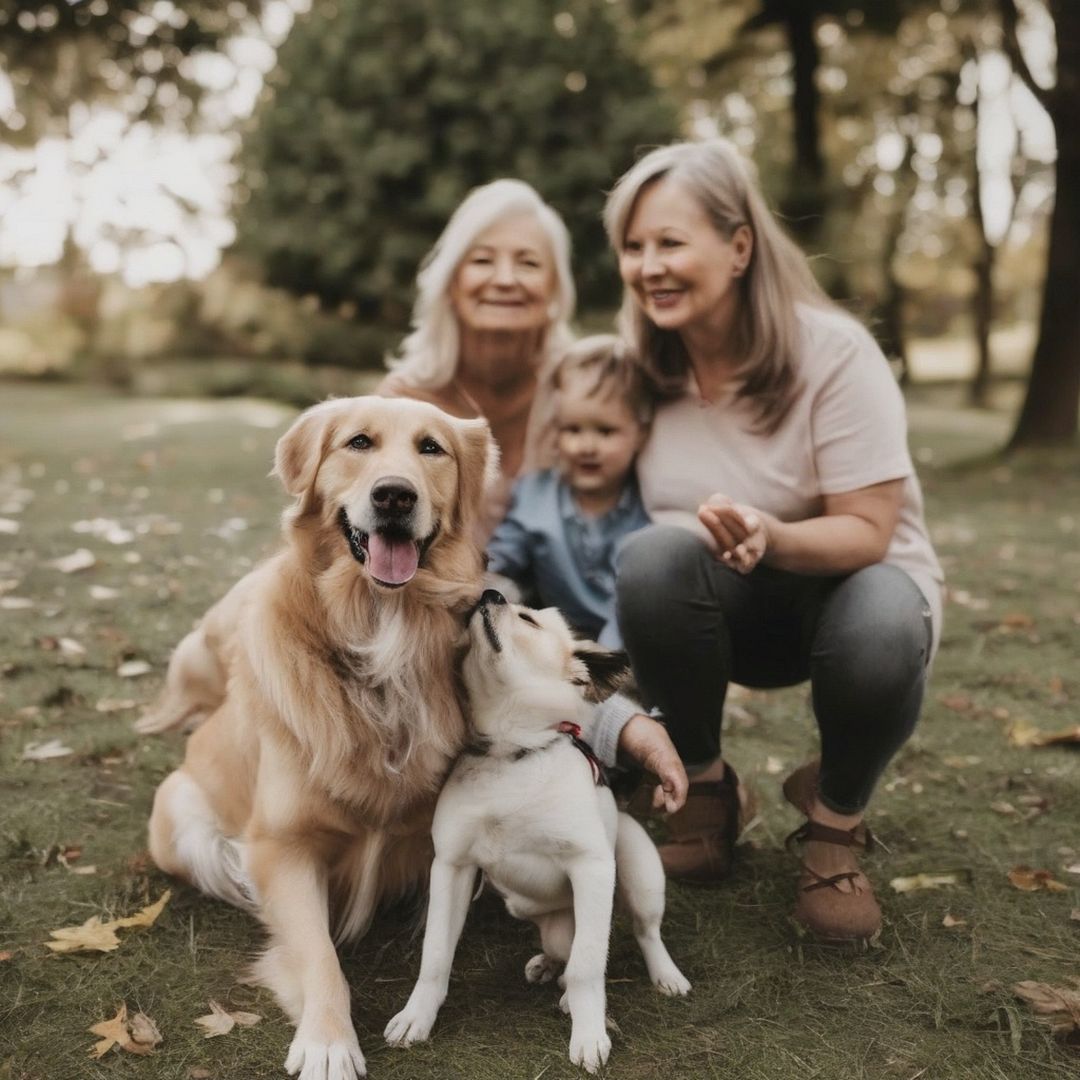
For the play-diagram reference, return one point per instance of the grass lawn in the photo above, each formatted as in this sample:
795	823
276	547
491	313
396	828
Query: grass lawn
173	501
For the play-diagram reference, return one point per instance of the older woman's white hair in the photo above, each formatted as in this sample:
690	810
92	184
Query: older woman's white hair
429	355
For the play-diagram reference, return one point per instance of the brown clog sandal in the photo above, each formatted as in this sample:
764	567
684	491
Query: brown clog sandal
830	912
702	835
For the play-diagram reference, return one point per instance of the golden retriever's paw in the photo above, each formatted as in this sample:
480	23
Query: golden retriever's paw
591	1050
541	969
412	1025
315	1060
671	982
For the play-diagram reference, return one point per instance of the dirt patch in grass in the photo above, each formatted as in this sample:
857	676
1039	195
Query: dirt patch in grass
173	502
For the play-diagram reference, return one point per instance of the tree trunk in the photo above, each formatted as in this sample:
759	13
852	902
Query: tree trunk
982	304
804	204
1049	413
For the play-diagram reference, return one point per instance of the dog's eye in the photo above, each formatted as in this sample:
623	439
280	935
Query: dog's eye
360	442
429	446
529	619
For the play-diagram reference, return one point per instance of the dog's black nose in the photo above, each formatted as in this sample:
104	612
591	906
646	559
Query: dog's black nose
492	596
394	495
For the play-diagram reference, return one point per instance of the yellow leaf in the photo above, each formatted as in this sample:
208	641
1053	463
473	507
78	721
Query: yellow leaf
951	921
220	1021
97	936
148	915
139	1035
922	881
1022	733
114	1033
92	936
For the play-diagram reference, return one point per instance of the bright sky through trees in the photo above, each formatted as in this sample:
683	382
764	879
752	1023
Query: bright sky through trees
154	204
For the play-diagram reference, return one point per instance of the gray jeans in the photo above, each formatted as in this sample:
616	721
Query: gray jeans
692	625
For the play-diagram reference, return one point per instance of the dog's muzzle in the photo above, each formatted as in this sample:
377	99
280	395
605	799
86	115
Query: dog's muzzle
391	551
489	598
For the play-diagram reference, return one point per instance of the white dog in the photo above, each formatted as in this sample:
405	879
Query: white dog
526	805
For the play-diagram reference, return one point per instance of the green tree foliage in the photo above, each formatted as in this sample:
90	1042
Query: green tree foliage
380	117
133	53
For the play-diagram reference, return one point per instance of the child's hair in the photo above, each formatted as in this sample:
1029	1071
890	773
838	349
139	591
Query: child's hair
615	371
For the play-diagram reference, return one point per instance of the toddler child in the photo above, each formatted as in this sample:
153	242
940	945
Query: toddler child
558	541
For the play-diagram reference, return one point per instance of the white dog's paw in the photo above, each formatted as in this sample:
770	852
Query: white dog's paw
541	969
564	1003
590	1051
316	1060
671	982
412	1025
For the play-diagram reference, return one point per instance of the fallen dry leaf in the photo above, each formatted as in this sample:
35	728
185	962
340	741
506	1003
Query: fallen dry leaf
108	705
45	751
1002	807
951	921
1017	620
1023	733
114	1032
139	1035
1075	914
80	559
92	936
1029	880
960	703
1060	1005
103	592
97	936
144	1034
922	881
7	954
220	1021
148	915
132	669
16	603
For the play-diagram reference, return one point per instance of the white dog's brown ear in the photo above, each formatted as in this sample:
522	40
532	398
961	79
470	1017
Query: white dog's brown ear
609	670
301	449
478	469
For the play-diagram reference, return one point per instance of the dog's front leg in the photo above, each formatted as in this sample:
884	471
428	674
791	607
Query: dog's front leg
448	904
301	965
592	878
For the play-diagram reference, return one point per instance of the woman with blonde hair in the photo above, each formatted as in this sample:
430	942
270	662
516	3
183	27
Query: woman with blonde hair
494	299
789	541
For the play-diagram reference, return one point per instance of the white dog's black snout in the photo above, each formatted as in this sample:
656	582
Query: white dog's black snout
492	596
394	496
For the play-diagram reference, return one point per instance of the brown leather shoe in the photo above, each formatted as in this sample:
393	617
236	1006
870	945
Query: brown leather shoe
835	907
702	835
801	787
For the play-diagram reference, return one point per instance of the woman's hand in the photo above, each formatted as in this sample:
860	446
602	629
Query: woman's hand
740	531
648	743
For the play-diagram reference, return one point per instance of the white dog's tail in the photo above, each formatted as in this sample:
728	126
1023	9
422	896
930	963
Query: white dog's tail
194	688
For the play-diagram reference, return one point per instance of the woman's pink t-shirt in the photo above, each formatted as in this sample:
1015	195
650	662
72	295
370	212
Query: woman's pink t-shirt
846	430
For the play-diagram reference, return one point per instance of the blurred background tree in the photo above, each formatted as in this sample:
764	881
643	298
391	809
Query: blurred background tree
380	117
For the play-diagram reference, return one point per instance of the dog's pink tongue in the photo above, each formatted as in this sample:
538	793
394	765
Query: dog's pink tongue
392	561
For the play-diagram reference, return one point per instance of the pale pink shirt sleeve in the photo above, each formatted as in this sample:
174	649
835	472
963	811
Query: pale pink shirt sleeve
858	420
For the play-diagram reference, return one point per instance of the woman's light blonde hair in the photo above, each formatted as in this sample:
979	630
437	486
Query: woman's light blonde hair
777	278
428	357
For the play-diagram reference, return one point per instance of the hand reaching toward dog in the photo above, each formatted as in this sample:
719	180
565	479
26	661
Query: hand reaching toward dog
740	531
648	743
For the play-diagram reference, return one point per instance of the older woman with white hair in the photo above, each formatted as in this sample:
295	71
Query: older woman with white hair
495	296
788	540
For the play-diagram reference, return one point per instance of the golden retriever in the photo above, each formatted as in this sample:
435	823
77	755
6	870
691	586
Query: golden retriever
324	687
